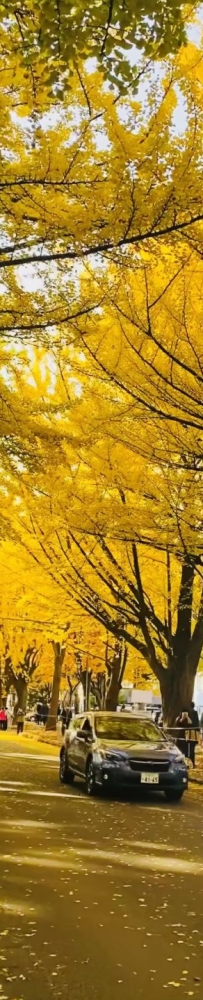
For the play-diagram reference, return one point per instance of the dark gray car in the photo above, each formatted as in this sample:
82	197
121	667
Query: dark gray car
113	750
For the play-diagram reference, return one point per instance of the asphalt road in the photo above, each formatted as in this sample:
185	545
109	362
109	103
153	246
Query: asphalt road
99	899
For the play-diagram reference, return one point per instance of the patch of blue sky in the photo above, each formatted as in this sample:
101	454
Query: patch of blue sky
154	78
179	118
194	31
30	280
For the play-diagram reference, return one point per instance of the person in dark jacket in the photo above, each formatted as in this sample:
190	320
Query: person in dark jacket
39	713
183	724
194	715
69	716
66	716
63	720
194	732
46	713
20	720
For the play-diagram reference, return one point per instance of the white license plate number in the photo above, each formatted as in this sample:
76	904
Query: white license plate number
149	779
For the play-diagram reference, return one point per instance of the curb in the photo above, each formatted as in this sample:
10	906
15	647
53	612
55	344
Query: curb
38	734
196	781
48	741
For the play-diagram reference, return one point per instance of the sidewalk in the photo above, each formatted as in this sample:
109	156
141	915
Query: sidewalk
24	743
40	735
36	734
196	774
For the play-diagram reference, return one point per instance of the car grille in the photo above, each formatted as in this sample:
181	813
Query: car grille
151	766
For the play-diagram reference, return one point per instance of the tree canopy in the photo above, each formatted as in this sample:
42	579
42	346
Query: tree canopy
52	36
97	177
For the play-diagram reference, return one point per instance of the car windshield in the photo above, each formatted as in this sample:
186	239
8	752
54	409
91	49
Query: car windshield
139	730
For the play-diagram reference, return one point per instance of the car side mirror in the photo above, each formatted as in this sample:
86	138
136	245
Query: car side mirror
85	736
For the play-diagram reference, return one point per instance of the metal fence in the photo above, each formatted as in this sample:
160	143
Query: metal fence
186	739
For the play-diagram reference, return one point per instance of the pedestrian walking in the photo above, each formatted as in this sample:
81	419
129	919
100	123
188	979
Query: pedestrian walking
182	723
3	719
159	718
20	721
66	716
63	720
194	734
46	713
69	716
194	716
39	713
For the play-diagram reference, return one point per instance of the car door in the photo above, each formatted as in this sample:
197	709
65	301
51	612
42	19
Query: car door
73	743
84	738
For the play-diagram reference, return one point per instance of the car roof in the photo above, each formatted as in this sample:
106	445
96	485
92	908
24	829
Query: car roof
112	715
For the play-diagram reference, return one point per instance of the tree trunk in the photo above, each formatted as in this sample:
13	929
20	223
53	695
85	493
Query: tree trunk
98	690
114	686
59	653
116	669
21	688
103	692
86	683
113	694
177	691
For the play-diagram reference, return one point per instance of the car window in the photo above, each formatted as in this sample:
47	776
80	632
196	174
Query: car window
77	722
139	730
86	727
74	727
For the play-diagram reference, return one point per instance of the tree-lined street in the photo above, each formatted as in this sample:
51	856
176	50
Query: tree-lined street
98	898
101	499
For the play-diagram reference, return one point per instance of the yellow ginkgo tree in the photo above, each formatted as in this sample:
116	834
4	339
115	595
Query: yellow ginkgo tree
101	447
29	622
105	504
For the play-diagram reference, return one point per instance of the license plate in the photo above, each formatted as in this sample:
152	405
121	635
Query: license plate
149	779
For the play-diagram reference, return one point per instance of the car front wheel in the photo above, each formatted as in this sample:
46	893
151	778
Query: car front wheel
66	776
174	794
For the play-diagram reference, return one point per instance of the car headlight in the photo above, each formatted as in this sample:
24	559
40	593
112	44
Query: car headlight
109	757
178	763
112	755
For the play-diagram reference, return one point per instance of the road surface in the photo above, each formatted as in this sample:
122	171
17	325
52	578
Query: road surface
99	900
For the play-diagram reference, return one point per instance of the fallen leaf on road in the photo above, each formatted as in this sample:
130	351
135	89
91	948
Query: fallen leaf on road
173	984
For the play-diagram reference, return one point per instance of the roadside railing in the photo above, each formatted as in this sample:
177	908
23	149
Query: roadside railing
185	738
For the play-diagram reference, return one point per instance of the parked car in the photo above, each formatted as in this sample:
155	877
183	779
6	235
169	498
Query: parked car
111	750
30	716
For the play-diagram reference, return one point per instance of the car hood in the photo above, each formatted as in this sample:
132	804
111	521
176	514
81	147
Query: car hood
143	751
